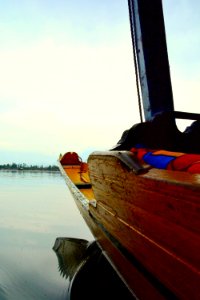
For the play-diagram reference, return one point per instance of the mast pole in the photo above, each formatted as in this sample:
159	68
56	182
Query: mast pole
147	26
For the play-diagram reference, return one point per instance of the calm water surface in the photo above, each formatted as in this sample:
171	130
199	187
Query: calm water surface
35	209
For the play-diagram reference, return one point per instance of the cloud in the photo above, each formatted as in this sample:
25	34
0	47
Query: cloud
58	93
55	96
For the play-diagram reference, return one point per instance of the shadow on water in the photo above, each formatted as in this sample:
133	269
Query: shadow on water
90	274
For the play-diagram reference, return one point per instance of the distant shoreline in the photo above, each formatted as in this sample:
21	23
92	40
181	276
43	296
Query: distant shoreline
29	170
24	167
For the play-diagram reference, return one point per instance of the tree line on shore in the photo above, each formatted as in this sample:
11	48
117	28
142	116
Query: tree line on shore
24	166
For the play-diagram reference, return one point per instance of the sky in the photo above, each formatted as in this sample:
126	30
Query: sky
67	78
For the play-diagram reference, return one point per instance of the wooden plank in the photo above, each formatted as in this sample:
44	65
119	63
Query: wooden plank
174	273
174	238
132	277
176	202
157	220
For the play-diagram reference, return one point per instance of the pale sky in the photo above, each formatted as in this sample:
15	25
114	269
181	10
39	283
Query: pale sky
67	77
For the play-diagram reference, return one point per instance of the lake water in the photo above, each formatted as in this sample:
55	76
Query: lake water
35	209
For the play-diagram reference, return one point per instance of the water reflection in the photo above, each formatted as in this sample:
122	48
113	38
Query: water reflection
89	273
34	210
71	253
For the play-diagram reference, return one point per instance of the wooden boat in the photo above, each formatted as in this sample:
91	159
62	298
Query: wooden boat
146	219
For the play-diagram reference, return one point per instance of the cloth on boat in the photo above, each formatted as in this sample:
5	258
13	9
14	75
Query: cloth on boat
159	133
163	159
162	133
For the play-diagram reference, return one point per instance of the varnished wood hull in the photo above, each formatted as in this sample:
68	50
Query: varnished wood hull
147	223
